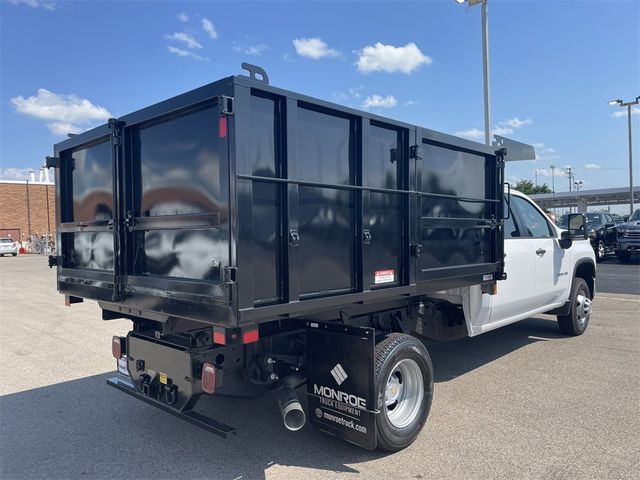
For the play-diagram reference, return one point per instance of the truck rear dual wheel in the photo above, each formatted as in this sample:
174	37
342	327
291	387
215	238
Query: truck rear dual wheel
576	322
404	390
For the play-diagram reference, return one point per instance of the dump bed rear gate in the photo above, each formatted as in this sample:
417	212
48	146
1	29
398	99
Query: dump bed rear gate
239	203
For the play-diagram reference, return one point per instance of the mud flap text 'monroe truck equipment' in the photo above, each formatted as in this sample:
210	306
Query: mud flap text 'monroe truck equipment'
260	240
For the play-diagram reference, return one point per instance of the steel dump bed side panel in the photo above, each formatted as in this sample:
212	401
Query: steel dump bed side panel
339	207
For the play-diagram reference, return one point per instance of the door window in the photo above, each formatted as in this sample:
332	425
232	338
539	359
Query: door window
535	222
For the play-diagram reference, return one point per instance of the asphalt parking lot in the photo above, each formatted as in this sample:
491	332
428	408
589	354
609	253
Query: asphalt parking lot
614	277
520	402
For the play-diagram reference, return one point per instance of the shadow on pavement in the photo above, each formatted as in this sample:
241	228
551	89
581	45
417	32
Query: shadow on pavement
452	359
85	429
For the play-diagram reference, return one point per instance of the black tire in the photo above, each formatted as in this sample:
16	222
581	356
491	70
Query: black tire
396	348
576	322
600	250
623	257
14	254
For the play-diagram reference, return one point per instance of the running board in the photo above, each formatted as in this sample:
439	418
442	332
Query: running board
190	416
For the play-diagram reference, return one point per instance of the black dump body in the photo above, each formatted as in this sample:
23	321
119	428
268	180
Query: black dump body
239	203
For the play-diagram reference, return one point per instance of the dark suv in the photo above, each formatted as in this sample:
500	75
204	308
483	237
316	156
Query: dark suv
628	237
602	232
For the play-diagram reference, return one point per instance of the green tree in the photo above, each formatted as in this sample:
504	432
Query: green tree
528	188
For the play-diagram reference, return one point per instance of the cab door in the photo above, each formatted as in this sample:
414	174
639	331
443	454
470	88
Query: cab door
551	261
516	293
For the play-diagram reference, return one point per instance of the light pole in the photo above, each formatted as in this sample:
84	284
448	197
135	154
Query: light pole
485	65
578	184
620	103
553	178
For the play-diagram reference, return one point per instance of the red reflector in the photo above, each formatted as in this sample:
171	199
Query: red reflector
67	301
222	127
208	378
219	338
250	336
116	347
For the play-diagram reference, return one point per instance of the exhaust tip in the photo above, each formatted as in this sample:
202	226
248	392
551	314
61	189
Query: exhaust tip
293	416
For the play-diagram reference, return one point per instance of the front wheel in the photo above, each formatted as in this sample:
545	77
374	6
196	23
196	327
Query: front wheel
404	390
576	322
600	251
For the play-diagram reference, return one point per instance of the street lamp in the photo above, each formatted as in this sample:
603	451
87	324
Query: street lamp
620	103
578	184
485	65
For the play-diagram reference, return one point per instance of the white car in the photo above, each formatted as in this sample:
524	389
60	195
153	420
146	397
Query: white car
545	274
8	247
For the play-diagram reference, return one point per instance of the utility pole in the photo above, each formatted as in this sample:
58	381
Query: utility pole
553	178
485	65
628	105
570	175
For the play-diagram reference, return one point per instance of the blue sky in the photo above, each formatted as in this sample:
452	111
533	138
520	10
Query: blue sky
554	65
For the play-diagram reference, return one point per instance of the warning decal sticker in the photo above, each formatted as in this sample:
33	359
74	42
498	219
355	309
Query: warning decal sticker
384	276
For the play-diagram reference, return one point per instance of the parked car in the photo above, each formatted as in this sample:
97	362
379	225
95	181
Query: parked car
8	246
601	230
628	238
617	219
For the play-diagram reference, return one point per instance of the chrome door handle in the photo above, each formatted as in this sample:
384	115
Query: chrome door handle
541	251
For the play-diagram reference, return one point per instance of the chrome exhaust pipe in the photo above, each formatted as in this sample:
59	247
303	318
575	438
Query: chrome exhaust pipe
291	409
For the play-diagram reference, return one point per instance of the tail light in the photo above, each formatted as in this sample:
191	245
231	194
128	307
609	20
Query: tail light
208	378
118	347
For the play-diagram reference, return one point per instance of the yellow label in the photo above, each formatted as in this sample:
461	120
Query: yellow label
163	378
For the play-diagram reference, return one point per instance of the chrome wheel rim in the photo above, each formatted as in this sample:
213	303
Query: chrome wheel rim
583	307
600	249
404	393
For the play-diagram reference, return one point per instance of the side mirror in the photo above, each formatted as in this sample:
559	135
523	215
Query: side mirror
577	223
609	225
565	240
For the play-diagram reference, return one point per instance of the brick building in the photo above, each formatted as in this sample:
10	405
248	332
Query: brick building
27	208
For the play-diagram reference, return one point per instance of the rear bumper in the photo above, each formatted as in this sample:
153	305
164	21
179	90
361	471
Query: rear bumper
192	417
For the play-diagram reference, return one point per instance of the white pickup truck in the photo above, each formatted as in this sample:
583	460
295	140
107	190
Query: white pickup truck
545	274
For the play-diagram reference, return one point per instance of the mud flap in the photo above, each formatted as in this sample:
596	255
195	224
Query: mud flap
340	381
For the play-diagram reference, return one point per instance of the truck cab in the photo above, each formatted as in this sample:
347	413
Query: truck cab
542	271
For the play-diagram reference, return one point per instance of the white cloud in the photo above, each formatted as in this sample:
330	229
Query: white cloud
258	49
183	17
544	153
377	101
388	58
623	112
207	26
35	4
502	131
62	128
184	53
287	58
355	92
515	122
503	128
186	38
592	166
409	103
313	48
15	173
472	133
349	97
65	113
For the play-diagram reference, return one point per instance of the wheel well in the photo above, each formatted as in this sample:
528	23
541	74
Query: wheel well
587	271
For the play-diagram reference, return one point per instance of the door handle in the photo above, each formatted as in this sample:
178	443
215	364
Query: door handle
541	251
